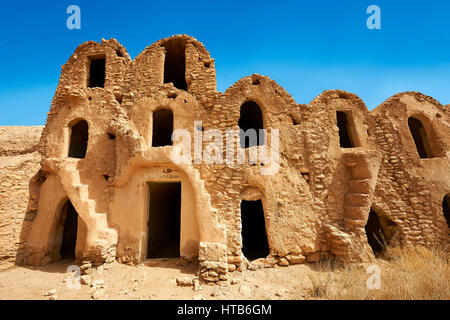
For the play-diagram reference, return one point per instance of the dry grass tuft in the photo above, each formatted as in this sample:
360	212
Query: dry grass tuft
408	273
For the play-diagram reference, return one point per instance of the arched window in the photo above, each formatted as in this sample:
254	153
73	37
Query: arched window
175	63
251	118
162	128
347	138
420	137
446	209
79	136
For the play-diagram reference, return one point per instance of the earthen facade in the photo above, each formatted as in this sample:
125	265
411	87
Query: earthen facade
345	172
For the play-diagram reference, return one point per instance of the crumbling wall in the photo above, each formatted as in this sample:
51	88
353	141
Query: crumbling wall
410	190
19	167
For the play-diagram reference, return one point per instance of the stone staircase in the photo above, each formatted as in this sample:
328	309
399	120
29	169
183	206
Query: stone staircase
350	241
101	239
212	252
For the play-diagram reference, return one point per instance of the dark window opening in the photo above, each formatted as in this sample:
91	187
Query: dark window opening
420	138
69	219
162	128
251	118
446	209
375	233
254	236
111	136
164	220
97	72
345	138
175	63
79	137
295	120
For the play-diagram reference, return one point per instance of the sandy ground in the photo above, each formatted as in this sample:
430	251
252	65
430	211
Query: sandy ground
155	280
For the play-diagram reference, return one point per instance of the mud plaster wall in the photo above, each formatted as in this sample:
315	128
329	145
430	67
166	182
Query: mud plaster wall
19	163
130	211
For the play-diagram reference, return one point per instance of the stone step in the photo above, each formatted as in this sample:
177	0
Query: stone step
340	252
351	224
355	212
359	186
357	199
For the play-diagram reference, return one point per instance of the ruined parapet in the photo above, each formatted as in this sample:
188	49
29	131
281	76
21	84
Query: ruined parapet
181	61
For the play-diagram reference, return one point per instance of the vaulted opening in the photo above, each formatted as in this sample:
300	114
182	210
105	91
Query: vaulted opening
250	122
346	135
79	136
162	128
446	209
175	63
254	236
375	233
420	137
164	220
97	72
69	221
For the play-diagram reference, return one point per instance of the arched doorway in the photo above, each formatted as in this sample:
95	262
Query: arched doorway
79	136
254	236
69	225
346	134
162	128
420	137
375	233
250	122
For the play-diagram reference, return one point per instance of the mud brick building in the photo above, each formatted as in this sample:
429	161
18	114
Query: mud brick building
104	185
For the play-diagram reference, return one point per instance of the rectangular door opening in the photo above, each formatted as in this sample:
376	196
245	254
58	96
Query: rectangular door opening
254	236
164	218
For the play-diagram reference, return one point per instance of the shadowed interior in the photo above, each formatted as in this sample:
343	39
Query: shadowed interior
164	220
97	73
420	138
345	138
69	218
446	209
251	118
375	234
175	63
162	128
79	137
254	237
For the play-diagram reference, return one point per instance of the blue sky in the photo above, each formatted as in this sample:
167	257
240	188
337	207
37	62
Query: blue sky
306	46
